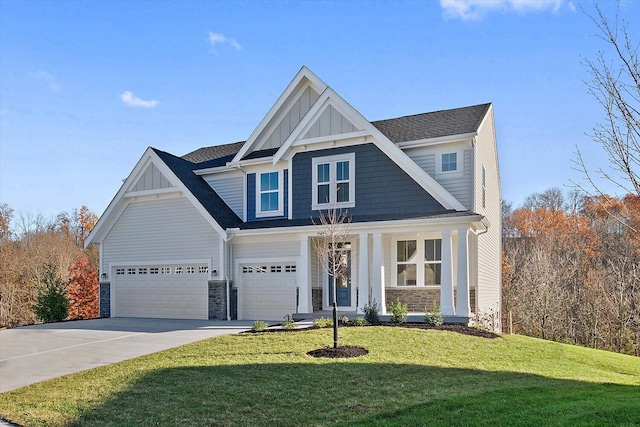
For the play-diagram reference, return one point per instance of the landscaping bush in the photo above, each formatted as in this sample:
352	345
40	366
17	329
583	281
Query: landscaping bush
360	321
398	311
371	313
259	325
434	316
288	322
323	322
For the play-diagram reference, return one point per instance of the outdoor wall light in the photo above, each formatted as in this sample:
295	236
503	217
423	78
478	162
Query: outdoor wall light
104	275
214	273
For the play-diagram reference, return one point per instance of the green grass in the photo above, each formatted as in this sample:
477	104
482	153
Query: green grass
410	377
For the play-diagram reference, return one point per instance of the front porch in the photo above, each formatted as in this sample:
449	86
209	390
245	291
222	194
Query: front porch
376	274
417	301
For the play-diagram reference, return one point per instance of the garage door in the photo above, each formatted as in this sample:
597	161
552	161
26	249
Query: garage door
268	291
162	291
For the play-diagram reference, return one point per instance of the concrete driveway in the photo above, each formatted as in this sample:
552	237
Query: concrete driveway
39	352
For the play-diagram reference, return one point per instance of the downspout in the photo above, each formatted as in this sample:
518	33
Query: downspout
486	224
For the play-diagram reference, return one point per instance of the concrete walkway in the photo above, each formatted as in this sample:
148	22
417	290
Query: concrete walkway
39	352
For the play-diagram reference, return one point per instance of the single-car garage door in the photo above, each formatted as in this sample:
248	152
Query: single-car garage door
162	291
268	291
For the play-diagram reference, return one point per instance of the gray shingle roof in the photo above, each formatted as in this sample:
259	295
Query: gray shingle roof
456	121
433	125
205	154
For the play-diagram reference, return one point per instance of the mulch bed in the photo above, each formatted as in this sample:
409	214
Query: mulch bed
340	352
461	329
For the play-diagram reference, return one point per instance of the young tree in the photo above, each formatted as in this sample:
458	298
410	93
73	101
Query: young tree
82	290
52	304
333	254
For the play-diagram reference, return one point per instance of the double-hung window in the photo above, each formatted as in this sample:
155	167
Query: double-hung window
269	194
418	262
333	181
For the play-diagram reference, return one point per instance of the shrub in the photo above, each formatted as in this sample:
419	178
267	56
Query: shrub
398	311
52	304
323	322
371	313
344	319
434	316
288	324
259	325
360	321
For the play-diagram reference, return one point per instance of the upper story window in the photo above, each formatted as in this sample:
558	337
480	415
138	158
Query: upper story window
449	162
269	194
334	181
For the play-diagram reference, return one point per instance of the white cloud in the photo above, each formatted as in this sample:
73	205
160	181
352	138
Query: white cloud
478	9
133	101
47	78
217	38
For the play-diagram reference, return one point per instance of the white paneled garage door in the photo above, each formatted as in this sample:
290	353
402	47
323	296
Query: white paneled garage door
268	291
161	291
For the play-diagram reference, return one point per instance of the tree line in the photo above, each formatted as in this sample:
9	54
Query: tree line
45	272
571	270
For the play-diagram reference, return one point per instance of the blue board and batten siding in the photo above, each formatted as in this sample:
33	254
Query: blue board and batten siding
381	186
251	198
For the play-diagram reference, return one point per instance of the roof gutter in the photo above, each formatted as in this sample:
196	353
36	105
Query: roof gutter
436	141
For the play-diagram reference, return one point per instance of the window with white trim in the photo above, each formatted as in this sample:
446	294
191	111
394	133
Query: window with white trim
131	271
484	187
153	270
269	194
166	270
333	181
203	269
119	271
177	270
432	261
191	269
449	162
418	262
407	252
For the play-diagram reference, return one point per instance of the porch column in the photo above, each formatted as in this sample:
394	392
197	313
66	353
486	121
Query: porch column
304	277
363	272
463	307
446	278
377	285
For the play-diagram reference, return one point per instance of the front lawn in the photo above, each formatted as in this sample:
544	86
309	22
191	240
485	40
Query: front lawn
409	377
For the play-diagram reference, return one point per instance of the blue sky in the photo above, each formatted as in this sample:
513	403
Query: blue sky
86	86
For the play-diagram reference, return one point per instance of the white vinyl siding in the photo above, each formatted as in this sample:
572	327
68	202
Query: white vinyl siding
229	187
459	185
490	243
245	248
157	230
151	179
330	122
283	129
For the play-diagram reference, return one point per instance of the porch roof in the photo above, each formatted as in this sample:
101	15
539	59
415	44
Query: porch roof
301	222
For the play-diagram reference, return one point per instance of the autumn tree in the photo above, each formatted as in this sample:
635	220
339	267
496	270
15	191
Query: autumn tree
574	277
82	290
30	245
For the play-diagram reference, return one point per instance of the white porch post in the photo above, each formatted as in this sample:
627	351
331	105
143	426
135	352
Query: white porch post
463	307
304	277
377	285
446	278
363	272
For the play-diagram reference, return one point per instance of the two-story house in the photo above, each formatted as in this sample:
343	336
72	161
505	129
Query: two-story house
226	231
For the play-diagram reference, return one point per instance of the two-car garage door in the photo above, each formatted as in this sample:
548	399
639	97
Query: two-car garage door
161	291
267	291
